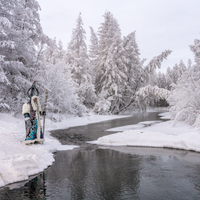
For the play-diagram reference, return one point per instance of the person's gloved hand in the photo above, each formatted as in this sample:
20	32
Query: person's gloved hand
44	113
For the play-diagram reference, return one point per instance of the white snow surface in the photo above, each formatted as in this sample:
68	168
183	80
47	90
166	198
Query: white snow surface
19	161
163	134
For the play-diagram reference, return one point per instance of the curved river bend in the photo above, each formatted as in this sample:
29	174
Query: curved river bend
112	173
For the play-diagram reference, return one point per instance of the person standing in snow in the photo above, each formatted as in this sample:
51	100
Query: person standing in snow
32	112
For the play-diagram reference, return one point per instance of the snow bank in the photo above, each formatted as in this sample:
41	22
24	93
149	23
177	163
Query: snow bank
17	160
161	134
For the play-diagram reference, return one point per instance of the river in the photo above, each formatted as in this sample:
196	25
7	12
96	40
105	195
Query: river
112	173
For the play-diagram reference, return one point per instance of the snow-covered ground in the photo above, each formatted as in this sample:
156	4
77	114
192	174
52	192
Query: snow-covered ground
18	161
164	134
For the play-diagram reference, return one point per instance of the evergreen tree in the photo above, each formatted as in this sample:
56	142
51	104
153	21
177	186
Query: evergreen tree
161	80
111	77
19	36
147	74
93	53
184	98
78	60
133	64
172	75
120	73
94	45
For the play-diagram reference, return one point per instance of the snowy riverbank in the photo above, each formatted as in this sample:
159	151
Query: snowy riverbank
18	161
164	134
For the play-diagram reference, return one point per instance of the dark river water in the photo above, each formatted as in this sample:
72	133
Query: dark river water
94	172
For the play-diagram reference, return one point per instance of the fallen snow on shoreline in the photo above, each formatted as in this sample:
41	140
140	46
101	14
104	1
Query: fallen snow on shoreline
164	134
17	160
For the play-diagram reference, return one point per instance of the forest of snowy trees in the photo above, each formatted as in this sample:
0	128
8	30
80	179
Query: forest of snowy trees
106	76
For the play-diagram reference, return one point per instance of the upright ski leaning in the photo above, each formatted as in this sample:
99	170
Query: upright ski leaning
32	113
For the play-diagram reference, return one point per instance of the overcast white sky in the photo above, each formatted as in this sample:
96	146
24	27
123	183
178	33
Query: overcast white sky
159	24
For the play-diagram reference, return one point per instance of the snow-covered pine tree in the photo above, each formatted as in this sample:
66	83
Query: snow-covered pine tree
195	48
78	60
134	67
173	74
147	74
161	80
19	35
94	45
111	68
184	98
93	53
189	64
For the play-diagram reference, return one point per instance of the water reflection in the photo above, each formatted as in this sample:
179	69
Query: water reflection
34	189
166	173
95	174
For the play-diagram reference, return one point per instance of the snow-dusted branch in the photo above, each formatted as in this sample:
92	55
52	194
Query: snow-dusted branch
148	94
157	60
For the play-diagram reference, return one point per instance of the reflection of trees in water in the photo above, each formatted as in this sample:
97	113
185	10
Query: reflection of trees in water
34	189
118	174
94	174
197	179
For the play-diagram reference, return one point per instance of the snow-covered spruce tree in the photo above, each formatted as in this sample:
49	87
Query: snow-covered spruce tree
147	74
20	32
184	98
79	63
173	74
150	69
111	69
94	45
57	78
161	80
134	67
93	53
120	73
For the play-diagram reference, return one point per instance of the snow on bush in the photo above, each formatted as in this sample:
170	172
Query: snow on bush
149	94
103	105
185	96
